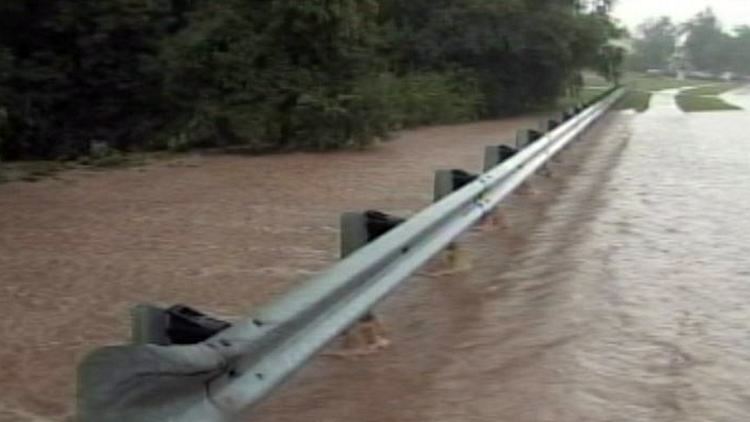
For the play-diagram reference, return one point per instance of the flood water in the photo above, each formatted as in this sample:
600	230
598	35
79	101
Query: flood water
617	290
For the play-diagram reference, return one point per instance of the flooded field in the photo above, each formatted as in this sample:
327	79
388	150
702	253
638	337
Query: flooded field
617	291
223	234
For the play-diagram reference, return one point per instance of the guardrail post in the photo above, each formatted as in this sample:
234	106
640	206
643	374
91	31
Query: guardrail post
449	181
357	230
526	137
177	325
353	232
552	125
149	325
496	154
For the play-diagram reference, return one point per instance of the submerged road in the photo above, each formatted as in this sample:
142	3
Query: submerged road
223	234
617	291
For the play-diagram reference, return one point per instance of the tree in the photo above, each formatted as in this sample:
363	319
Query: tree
88	73
655	43
740	50
279	74
6	68
523	52
707	45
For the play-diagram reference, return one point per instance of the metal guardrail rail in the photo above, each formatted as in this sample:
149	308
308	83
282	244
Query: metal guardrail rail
220	378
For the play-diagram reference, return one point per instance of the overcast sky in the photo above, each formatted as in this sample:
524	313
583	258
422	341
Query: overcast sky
730	12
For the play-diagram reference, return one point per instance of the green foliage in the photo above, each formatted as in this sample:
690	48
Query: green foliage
522	52
280	74
420	98
655	44
739	51
6	68
707	44
89	72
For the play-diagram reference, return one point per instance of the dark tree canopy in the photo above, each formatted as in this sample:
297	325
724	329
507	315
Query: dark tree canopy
739	50
707	45
278	74
655	43
701	44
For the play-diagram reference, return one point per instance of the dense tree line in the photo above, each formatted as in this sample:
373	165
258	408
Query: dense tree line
277	74
700	44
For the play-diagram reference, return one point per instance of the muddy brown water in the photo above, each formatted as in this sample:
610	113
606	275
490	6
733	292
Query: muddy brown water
618	290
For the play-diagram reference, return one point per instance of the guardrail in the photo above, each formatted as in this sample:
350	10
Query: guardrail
219	378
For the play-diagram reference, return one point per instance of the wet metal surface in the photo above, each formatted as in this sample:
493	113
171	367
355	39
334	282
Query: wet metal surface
617	291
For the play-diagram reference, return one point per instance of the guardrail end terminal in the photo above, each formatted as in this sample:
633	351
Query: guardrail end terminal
133	383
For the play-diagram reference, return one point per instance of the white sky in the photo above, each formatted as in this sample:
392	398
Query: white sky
730	12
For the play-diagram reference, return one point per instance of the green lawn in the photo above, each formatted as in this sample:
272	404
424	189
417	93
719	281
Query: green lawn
697	103
714	89
658	83
705	98
640	87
